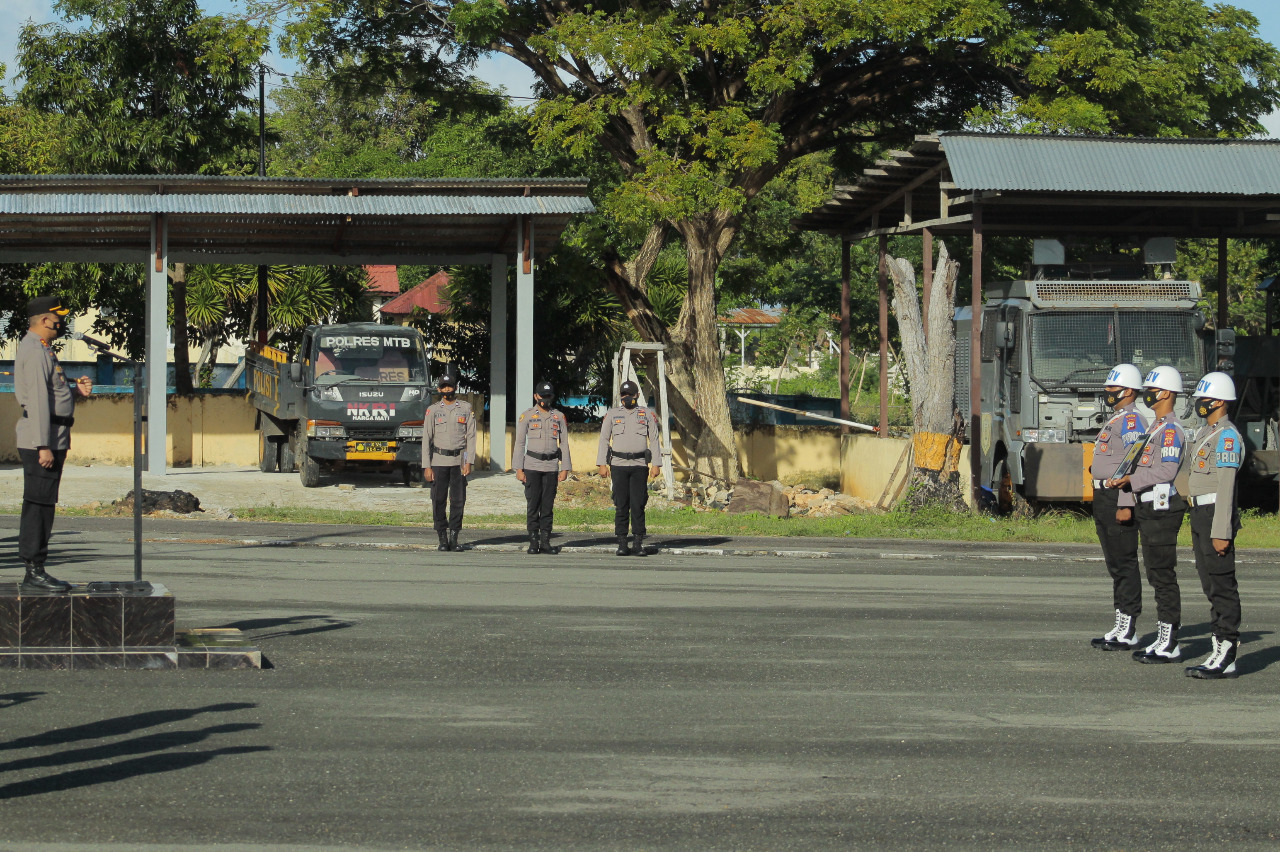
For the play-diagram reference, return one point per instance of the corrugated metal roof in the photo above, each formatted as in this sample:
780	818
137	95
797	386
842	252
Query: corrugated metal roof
749	316
1112	165
222	183
46	204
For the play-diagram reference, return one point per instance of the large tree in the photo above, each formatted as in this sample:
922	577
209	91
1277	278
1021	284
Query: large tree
147	87
702	102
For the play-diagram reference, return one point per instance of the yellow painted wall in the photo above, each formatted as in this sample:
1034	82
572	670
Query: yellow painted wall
867	462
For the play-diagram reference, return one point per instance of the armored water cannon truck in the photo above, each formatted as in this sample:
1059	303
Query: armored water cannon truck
1046	348
354	397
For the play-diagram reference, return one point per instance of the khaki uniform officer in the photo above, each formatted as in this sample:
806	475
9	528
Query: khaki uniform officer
1217	452
1119	540
449	432
48	403
541	461
629	445
1150	497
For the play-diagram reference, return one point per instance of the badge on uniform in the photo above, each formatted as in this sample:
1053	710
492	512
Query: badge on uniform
462	419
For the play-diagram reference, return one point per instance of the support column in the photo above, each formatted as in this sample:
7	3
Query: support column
846	310
524	316
157	360
498	362
975	359
1222	282
883	287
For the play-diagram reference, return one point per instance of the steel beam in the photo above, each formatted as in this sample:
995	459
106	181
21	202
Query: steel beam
157	360
524	314
498	362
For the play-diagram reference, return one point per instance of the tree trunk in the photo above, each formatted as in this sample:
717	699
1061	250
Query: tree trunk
930	366
181	358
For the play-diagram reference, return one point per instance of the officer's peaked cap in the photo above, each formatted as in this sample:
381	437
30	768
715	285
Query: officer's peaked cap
447	379
629	389
46	305
545	390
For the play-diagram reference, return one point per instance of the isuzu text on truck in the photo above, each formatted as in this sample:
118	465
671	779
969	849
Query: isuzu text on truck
354	397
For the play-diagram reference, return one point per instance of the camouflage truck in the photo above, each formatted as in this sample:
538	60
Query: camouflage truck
1046	349
353	398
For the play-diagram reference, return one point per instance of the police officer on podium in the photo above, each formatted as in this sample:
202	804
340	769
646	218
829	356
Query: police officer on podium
1119	540
48	403
1212	465
630	447
1149	496
449	433
541	461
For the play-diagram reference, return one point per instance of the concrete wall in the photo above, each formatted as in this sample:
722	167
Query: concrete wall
870	464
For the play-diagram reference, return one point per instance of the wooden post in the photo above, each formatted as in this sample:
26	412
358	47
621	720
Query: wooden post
927	278
884	335
846	311
975	359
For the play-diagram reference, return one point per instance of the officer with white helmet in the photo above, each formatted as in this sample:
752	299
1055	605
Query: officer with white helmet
1148	494
1212	466
1119	540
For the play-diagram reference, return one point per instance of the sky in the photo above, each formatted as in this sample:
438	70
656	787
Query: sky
497	69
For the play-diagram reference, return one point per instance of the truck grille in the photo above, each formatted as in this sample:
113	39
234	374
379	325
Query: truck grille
1113	292
370	434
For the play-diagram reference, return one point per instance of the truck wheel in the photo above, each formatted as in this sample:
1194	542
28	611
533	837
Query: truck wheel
267	453
1009	502
288	458
308	470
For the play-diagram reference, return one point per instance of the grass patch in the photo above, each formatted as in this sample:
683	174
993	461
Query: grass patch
1054	527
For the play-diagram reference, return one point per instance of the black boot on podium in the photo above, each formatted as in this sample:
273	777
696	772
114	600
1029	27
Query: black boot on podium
38	581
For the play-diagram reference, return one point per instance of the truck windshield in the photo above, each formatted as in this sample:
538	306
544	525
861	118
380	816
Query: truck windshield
1076	349
383	357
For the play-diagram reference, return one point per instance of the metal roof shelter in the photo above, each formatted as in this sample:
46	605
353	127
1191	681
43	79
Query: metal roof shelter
162	219
1048	186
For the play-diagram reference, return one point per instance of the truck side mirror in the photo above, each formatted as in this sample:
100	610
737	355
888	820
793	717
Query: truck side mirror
295	373
1225	339
1005	334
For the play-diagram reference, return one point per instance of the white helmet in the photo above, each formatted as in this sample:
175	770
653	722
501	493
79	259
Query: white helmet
1216	386
1125	376
1164	377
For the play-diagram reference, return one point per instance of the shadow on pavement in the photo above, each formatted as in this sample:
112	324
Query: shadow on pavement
125	770
13	699
250	624
128	748
118	726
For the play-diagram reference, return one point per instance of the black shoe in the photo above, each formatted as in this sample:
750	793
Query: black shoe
37	580
637	546
444	540
1221	663
546	545
1165	649
1122	637
622	550
453	540
535	546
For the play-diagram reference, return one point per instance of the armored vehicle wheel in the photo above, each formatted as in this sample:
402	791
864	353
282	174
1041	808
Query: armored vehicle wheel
288	458
1008	501
308	469
267	453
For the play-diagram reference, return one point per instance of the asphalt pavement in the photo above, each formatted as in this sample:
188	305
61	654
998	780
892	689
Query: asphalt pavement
884	695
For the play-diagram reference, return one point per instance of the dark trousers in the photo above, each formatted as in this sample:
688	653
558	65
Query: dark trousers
448	485
1119	550
1217	576
630	496
1159	530
540	498
39	498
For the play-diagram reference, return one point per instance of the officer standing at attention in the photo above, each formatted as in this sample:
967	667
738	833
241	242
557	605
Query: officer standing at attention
48	402
450	435
1119	540
629	444
1213	463
1150	496
541	461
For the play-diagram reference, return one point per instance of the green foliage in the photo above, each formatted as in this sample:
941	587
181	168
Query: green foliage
145	86
1248	262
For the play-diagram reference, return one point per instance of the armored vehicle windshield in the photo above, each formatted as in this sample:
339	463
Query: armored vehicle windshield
1076	349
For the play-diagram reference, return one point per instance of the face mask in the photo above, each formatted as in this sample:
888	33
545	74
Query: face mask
1150	397
59	328
1113	399
448	395
1204	408
544	404
629	402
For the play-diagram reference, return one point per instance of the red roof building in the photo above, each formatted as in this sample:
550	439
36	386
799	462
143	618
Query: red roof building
431	295
383	281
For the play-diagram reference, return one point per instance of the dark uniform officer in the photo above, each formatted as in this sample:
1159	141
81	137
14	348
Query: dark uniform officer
1150	496
541	461
48	403
1119	541
1217	452
450	436
629	445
